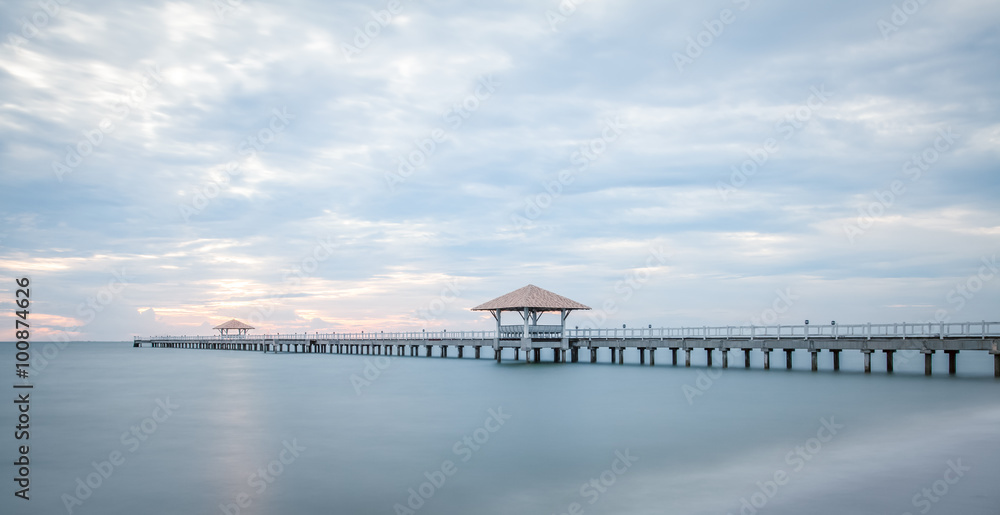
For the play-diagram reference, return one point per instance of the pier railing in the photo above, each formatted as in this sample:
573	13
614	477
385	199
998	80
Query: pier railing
901	330
536	331
867	331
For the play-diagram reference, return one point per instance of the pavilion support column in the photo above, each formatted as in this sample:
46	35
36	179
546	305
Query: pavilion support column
928	361
517	353
815	359
836	359
788	358
593	357
460	349
767	358
444	351
996	365
497	353
428	351
952	361
687	357
868	360
888	360
478	347
575	354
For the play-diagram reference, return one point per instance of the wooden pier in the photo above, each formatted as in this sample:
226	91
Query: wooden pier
567	344
530	338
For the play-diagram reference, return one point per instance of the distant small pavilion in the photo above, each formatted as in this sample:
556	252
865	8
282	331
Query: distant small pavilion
240	327
530	302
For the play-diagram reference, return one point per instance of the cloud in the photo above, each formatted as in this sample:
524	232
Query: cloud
216	209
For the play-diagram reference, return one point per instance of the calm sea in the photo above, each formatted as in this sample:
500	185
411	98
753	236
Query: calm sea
116	430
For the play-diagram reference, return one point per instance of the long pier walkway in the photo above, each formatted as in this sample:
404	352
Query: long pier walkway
925	338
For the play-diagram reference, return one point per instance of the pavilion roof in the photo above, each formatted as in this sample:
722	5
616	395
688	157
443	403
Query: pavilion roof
233	324
532	297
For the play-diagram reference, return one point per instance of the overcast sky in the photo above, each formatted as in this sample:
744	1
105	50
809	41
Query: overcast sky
335	166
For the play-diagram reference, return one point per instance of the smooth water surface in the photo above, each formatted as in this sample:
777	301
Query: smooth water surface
295	434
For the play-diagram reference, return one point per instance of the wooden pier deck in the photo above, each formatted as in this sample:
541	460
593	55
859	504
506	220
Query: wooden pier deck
926	339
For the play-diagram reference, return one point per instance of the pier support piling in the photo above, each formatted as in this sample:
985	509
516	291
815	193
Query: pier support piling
928	361
836	359
868	360
788	358
673	355
593	355
725	358
888	360
767	358
642	355
952	361
687	357
652	356
708	353
746	358
815	359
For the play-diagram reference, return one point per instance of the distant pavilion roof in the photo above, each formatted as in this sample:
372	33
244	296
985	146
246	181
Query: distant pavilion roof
531	297
233	324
